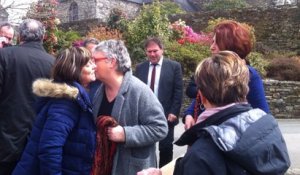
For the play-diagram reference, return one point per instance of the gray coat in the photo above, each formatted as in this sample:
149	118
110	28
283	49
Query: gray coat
138	110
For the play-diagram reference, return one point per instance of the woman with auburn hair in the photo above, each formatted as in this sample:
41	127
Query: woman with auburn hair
236	37
63	138
233	36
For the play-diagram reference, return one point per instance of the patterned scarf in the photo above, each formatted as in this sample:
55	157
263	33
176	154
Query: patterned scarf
105	149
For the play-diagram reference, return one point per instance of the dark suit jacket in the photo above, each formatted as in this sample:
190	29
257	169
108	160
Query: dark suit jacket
170	87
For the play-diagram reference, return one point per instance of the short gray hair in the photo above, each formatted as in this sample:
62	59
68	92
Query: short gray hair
115	49
31	30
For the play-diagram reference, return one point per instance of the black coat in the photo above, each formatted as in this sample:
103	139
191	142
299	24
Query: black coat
19	67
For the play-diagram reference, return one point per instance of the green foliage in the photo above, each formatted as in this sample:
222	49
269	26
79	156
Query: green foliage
116	19
65	39
258	61
168	8
151	21
225	4
188	54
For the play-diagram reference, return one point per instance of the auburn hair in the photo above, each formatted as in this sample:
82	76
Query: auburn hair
233	36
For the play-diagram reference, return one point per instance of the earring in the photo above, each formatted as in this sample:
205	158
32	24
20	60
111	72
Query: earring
202	107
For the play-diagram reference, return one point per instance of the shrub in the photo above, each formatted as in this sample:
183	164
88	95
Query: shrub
225	4
65	39
116	19
183	33
104	33
258	61
284	69
188	54
151	21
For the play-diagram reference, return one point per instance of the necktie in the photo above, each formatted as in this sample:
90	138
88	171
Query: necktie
153	77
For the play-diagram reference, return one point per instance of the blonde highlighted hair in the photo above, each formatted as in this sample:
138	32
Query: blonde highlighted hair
223	78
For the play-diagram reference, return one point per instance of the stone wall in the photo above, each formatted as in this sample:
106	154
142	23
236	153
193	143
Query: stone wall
98	9
283	98
81	26
86	10
275	28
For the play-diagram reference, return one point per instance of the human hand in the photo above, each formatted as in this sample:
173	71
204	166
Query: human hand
150	171
172	118
116	134
189	122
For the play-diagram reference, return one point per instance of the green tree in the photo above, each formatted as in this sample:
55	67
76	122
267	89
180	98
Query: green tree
151	21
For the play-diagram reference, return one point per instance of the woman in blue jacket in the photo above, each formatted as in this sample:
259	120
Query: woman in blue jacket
63	138
233	36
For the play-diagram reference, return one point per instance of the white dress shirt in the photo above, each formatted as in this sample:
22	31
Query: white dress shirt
157	75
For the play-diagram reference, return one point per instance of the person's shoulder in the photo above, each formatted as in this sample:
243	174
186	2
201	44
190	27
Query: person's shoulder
254	75
252	70
142	64
137	83
171	62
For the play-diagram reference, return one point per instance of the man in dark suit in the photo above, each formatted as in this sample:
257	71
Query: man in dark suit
164	77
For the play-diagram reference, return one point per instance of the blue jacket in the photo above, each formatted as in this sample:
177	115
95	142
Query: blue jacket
63	138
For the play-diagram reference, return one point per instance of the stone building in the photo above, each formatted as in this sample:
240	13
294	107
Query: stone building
77	10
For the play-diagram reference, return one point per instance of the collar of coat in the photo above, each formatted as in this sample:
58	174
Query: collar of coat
192	134
73	91
48	88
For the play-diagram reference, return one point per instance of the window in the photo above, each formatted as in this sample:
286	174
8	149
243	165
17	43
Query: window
73	12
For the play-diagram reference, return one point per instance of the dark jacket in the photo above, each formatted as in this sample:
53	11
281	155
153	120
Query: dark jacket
170	90
234	141
63	138
19	67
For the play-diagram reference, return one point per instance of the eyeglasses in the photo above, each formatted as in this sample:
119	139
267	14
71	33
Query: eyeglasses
99	59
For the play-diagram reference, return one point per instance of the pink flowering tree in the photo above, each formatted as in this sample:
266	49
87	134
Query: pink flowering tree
187	46
184	33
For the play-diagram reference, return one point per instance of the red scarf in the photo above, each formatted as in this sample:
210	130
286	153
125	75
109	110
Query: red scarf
105	149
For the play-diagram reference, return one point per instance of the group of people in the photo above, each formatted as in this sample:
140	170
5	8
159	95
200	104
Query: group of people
86	112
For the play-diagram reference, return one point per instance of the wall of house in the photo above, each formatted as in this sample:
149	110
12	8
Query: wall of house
104	8
99	9
86	10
